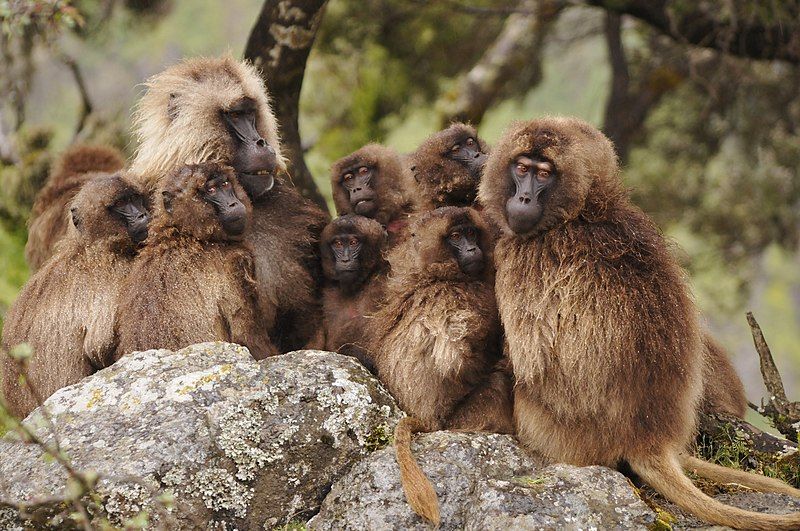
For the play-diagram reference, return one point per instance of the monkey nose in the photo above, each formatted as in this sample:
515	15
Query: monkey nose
261	142
524	199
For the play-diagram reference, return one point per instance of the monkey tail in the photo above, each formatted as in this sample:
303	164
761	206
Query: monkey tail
721	474
664	474
416	485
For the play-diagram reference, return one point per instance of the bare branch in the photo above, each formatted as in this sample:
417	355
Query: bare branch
518	46
86	102
784	415
769	371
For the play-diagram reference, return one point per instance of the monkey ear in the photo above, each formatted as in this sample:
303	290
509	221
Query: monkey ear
76	220
166	198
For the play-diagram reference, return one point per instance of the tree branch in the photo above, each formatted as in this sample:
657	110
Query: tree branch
279	45
86	102
772	33
517	48
785	415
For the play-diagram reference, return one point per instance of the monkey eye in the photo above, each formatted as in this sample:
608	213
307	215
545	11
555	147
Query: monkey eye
119	203
347	176
362	170
455	236
338	244
353	242
521	168
470	141
226	184
455	148
543	174
211	189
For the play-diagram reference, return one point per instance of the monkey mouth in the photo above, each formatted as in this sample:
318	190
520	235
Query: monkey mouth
364	207
256	182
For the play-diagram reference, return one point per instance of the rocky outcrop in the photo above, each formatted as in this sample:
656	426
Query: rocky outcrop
484	482
237	443
208	438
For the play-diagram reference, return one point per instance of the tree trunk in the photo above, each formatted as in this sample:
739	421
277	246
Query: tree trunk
518	48
279	45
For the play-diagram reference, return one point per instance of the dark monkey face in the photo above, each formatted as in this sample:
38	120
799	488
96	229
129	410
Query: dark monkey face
132	210
533	178
346	250
231	212
254	159
358	184
468	152
463	242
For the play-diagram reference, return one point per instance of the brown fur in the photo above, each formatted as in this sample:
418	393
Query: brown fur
66	310
347	308
436	338
392	184
178	122
192	282
441	181
49	219
723	391
489	407
602	333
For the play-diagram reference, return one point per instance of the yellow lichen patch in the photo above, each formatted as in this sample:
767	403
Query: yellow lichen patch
97	395
183	386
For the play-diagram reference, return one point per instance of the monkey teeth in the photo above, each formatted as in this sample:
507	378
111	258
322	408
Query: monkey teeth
262	172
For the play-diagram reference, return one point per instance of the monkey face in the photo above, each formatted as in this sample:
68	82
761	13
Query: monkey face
231	212
358	183
464	242
447	167
346	250
532	178
109	205
253	158
466	150
131	209
351	249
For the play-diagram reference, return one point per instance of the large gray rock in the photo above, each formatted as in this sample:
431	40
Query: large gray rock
484	482
238	443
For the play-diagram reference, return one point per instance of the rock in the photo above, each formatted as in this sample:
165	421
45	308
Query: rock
237	443
484	482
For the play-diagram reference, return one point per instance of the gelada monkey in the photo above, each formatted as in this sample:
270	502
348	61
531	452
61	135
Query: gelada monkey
602	334
436	339
447	167
66	310
50	218
355	272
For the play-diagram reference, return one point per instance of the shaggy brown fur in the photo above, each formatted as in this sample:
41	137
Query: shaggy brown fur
66	310
49	218
391	182
438	179
723	391
489	406
602	333
436	339
348	305
192	282
178	121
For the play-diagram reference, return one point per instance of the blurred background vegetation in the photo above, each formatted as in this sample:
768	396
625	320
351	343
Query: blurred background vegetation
708	134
